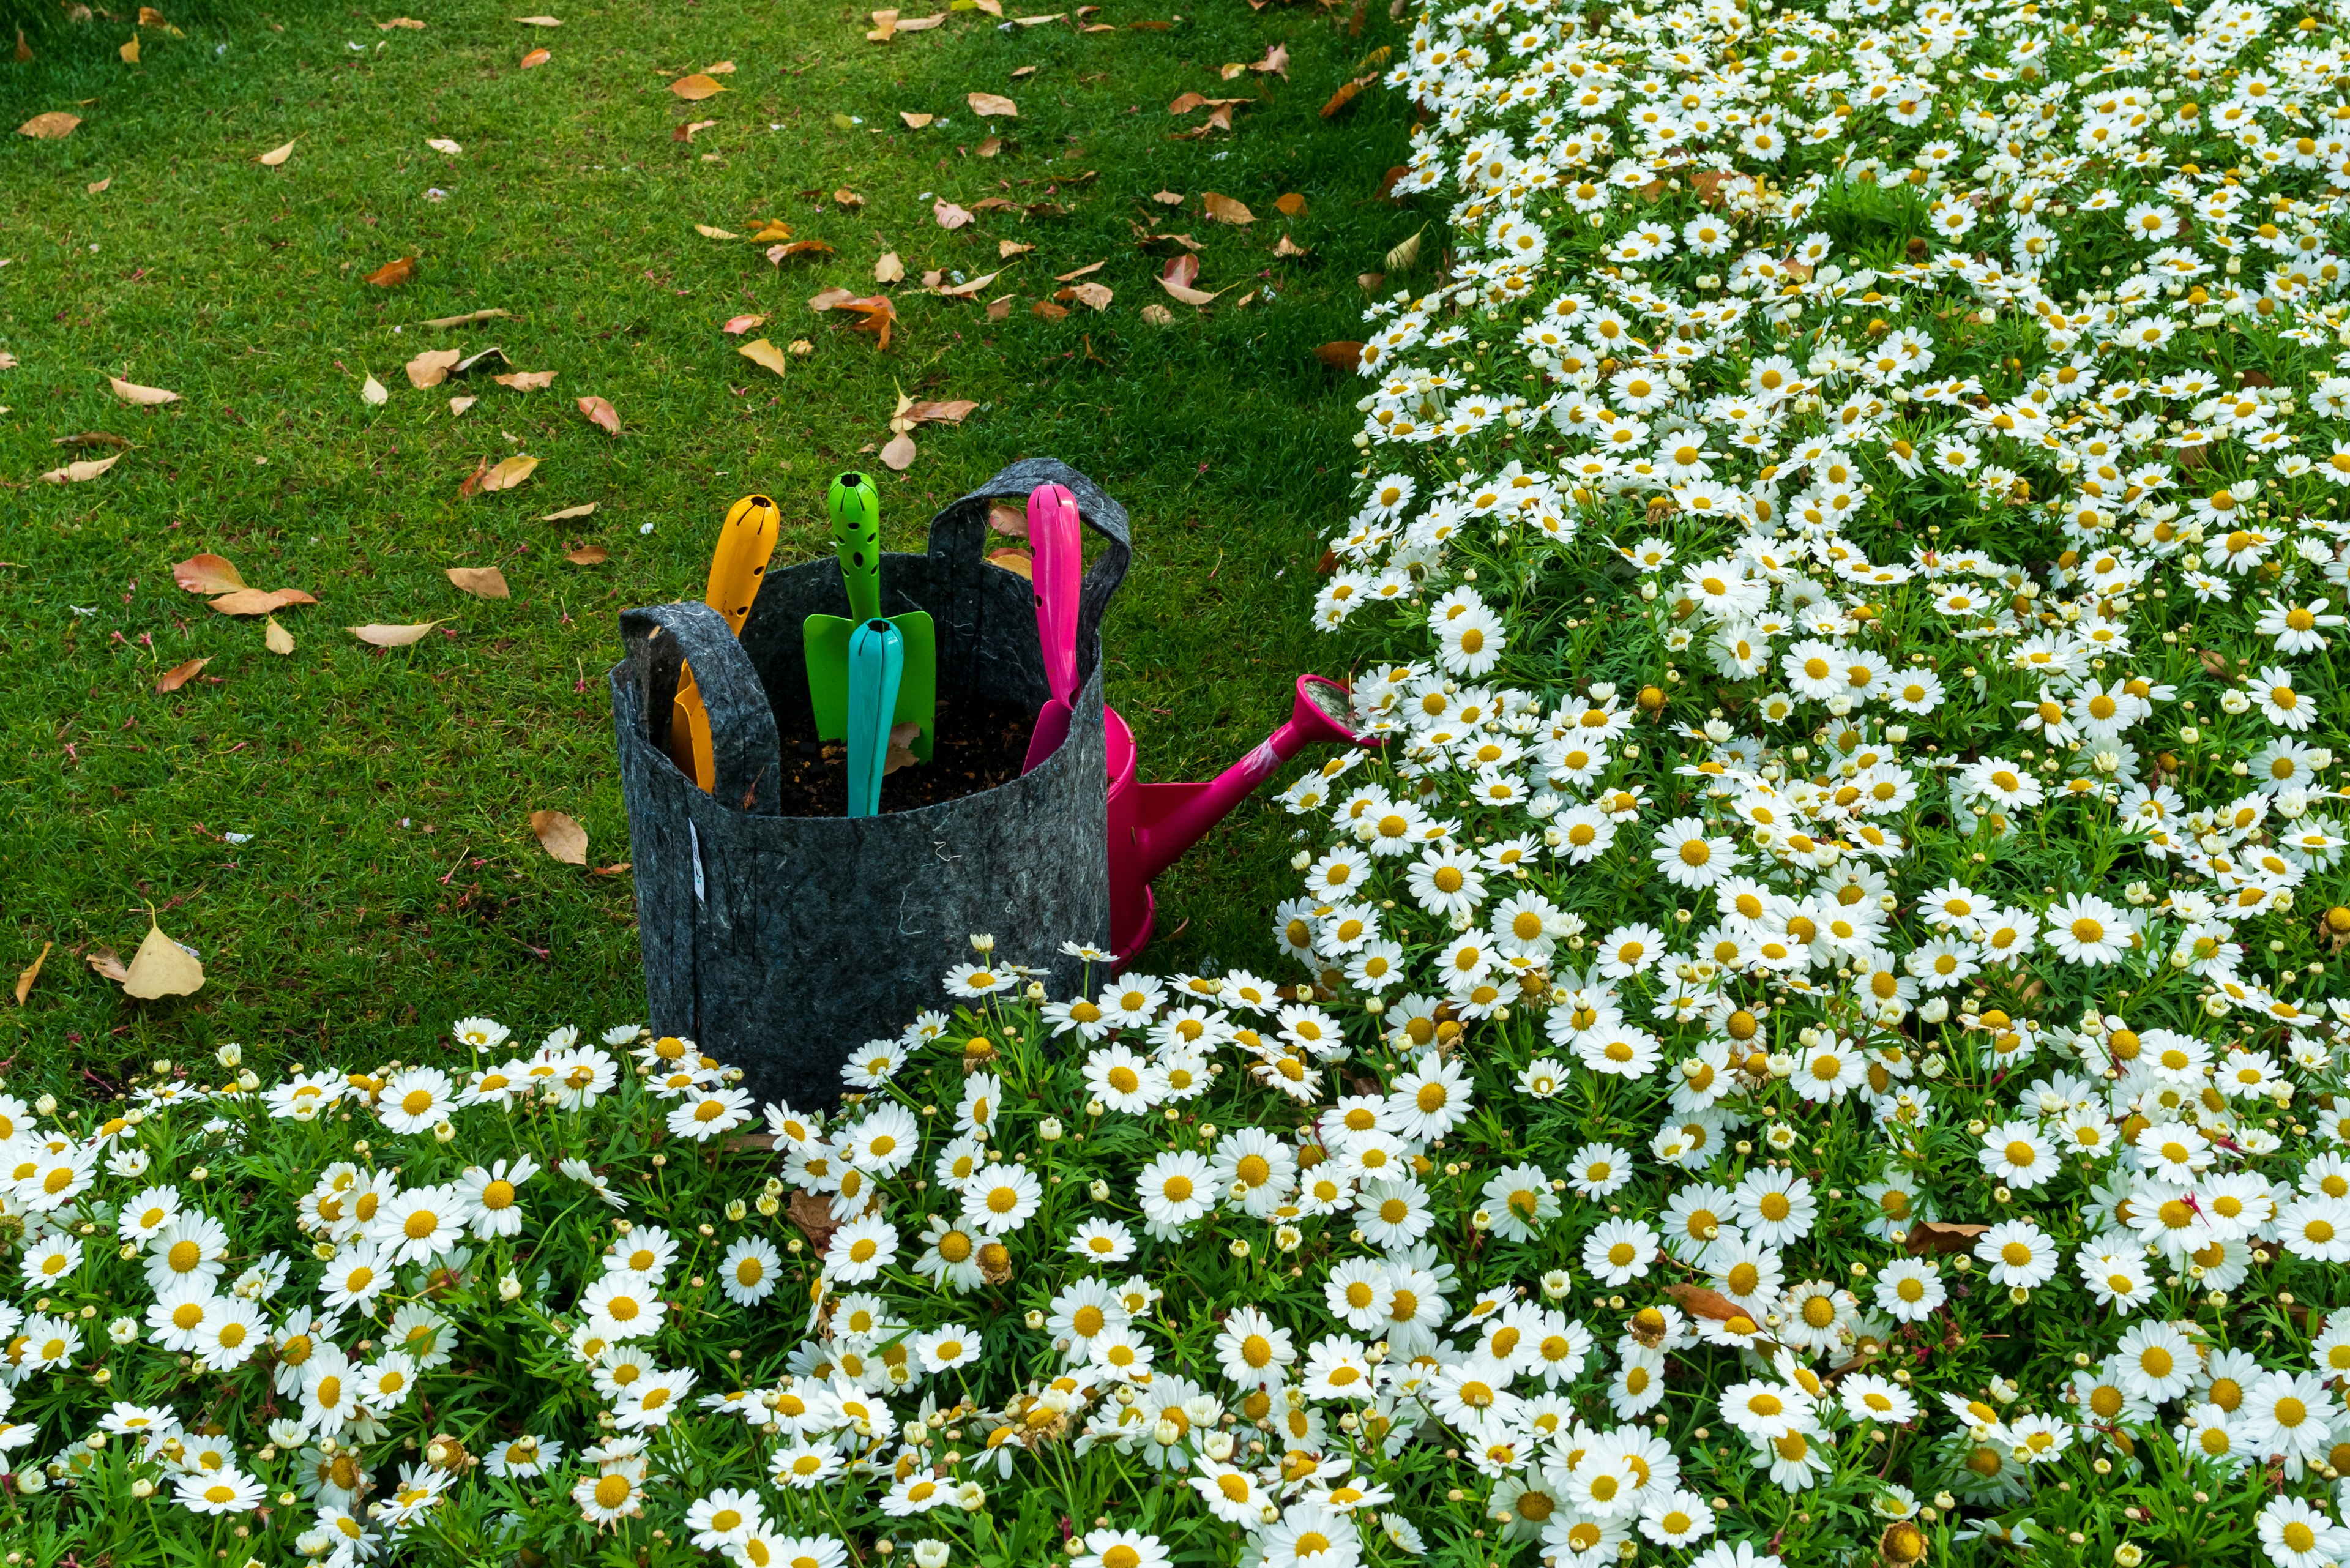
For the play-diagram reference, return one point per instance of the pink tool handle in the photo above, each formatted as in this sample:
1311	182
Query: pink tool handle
1056	557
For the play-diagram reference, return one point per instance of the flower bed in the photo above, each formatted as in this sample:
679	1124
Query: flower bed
1819	1041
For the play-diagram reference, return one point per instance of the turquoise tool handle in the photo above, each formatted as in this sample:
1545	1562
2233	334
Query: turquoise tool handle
856	508
877	662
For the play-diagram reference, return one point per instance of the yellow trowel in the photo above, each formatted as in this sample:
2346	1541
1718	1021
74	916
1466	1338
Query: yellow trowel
736	569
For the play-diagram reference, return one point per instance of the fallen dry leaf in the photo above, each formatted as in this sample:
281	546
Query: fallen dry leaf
846	197
54	126
1698	1301
1404	255
711	232
392	274
179	675
161	967
276	639
966	290
97	187
602	414
879	316
1224	210
761	352
526	380
107	964
899	456
380	636
76	472
408	23
130	51
1346	94
1006	249
443	144
736	326
1343	355
1000	309
948	413
586	510
432	367
482	581
441	323
275	156
1157	313
723	68
900	753
1086	270
1004	517
1369	281
920	23
778	254
459	405
1168	198
1182	268
830	300
207	573
986	104
1186	295
1935	1236
1275	62
509	473
1290	204
561	837
1013	561
374	393
697	86
1048	310
915	121
587	556
688	131
889	269
770	230
947	214
253	601
1095	294
535	58
91	438
1285	246
32	971
539	21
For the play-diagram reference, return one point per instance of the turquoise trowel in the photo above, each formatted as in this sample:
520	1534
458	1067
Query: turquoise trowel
877	662
856	510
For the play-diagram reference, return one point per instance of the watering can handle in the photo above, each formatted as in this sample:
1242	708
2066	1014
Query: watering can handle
959	534
1056	556
745	753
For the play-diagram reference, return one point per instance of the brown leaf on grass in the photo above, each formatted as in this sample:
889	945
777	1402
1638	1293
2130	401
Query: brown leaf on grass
509	473
691	129
1048	310
76	472
130	51
1275	62
482	581
540	21
889	269
1698	1301
1289	205
602	414
459	405
392	274
275	156
91	438
373	393
723	68
1369	281
432	367
377	635
107	964
587	556
276	639
1405	255
253	601
407	24
879	316
1935	1236
1004	517
899	456
1346	95
915	121
947	214
54	126
1006	249
1000	309
1186	295
900	753
738	325
526	380
1157	313
25	57
146	397
812	1212
966	290
1086	271
97	187
561	837
1095	295
32	971
712	232
986	104
179	675
535	58
845	197
442	323
830	300
161	967
1181	269
770	230
920	24
207	573
1224	210
1285	246
1346	354
697	86
586	509
766	355
778	254
947	414
1168	198
1013	561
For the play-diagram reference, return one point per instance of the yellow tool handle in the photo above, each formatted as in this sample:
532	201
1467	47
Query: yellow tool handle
737	567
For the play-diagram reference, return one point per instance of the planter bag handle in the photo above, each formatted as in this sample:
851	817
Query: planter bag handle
959	534
745	751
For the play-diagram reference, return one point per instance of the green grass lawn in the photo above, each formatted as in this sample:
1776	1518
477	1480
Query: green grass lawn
391	882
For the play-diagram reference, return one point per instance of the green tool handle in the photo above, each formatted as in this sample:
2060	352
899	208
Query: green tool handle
856	508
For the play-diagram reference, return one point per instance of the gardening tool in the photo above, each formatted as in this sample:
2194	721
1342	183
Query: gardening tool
876	665
1152	823
856	510
737	567
1056	556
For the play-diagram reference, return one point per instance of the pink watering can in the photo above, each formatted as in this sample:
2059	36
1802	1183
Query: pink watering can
1151	824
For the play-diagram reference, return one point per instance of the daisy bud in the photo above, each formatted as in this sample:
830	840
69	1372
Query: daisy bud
46	1104
1238	1249
1049	1129
1034	1320
509	1288
229	1055
443	1132
142	1487
981	943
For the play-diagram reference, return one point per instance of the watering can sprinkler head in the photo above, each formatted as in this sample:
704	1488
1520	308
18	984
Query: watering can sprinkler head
1323	711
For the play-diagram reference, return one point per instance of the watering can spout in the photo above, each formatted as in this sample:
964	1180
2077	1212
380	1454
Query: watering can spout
1171	817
